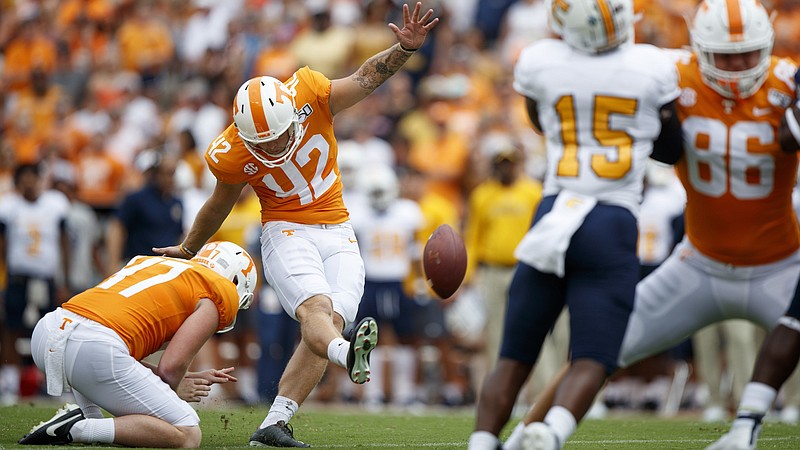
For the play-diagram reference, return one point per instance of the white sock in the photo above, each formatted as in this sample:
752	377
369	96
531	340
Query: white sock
757	398
404	374
337	352
283	408
92	412
9	380
562	422
514	442
482	440
375	391
92	431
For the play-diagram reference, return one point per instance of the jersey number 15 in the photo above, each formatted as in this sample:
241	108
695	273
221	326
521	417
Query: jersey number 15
604	107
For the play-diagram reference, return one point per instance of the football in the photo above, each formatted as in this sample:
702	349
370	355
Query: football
444	261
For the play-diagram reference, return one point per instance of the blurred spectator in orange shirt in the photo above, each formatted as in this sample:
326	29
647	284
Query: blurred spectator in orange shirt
145	42
22	141
276	58
32	48
371	33
42	103
663	22
787	29
100	177
74	12
322	46
443	159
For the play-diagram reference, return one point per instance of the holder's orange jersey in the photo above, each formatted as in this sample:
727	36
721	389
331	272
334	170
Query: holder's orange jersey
149	299
307	188
738	181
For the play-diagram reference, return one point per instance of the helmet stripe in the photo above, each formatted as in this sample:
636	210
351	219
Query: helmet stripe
255	99
242	117
608	20
735	25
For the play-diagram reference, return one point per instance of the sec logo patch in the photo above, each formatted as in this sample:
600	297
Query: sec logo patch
250	169
688	97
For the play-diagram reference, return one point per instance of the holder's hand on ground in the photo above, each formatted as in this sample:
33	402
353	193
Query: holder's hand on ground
193	389
214	376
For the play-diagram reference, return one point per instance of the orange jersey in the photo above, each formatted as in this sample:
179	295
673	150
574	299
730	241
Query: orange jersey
738	181
307	188
149	299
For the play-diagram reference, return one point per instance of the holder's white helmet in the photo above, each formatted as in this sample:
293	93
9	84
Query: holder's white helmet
233	263
263	110
592	26
732	26
380	184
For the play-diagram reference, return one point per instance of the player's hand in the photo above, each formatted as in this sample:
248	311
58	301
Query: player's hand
214	376
415	28
193	389
172	252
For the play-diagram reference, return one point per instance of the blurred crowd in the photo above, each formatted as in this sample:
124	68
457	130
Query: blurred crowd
112	104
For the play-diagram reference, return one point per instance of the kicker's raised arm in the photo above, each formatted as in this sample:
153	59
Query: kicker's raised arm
346	92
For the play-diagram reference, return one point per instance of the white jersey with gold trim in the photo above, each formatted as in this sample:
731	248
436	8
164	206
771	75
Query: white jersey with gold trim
33	233
597	140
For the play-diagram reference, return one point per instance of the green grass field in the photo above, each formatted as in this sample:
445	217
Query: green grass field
332	427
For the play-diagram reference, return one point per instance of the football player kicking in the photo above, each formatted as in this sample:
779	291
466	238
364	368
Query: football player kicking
95	343
740	256
281	143
604	105
779	352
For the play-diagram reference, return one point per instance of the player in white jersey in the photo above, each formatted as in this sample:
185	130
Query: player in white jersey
34	249
604	106
386	233
663	201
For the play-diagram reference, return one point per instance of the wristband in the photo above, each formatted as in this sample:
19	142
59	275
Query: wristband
791	122
407	50
186	251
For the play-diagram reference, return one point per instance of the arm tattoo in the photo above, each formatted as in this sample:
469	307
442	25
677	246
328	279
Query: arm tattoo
380	67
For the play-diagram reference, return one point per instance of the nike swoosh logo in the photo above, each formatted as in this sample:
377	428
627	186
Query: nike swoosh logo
51	430
352	240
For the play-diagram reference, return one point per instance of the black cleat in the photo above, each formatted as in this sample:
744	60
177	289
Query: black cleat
363	340
56	430
277	435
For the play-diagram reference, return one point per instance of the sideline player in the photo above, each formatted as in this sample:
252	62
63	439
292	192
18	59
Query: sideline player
740	256
282	143
95	343
581	250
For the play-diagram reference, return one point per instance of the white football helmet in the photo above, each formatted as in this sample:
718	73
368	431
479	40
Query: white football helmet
350	159
233	263
380	184
263	110
738	26
592	26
